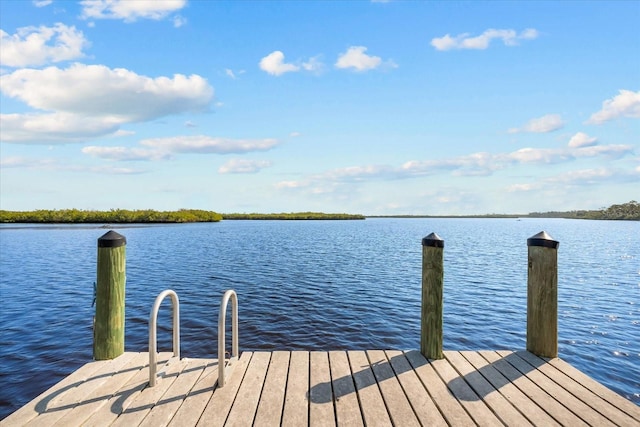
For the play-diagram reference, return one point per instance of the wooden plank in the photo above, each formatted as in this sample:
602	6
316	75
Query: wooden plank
422	404
144	401
168	405
40	403
60	404
538	395
478	410
321	411
372	406
344	390
394	397
592	400
485	390
216	411
272	399
296	404
243	410
94	401
448	405
518	399
568	400
126	394
605	393
195	403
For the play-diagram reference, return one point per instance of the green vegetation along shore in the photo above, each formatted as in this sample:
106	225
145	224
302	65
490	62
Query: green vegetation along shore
625	211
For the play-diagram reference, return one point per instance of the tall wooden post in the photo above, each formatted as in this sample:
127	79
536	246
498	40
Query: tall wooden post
432	288
108	329
542	295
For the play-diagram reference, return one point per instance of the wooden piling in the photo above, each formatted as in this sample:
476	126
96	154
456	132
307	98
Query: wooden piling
542	295
108	329
432	289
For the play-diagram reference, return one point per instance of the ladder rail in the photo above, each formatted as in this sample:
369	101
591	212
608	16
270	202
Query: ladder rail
228	295
153	327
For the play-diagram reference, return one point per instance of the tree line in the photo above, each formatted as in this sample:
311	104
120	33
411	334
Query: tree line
624	211
113	216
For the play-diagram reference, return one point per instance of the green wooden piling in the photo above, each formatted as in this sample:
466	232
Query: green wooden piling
542	295
432	289
108	329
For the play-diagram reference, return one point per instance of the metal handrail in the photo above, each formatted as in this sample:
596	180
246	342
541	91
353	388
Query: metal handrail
153	322
230	294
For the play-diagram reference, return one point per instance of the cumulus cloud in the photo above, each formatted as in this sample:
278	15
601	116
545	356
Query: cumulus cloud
94	97
481	42
130	11
625	104
42	3
356	58
274	64
125	154
179	21
208	144
581	139
544	124
244	166
32	46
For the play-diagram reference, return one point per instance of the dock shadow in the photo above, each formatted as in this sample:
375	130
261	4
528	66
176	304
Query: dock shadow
498	373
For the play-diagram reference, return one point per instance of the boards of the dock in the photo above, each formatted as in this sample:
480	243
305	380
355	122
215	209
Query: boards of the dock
319	388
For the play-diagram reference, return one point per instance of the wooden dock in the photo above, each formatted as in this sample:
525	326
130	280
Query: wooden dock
347	388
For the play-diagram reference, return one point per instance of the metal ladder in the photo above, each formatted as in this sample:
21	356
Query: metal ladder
224	367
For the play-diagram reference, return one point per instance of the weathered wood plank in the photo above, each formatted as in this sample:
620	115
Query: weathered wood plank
244	409
40	403
478	410
194	404
216	411
525	384
591	399
321	411
449	406
373	409
344	390
69	399
144	401
272	399
485	390
168	405
98	398
572	403
419	398
610	396
296	404
124	395
512	393
394	397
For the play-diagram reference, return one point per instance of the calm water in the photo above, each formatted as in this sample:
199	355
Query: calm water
319	285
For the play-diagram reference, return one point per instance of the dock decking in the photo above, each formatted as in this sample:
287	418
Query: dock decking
347	388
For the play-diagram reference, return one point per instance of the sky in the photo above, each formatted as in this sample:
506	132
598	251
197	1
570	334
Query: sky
363	107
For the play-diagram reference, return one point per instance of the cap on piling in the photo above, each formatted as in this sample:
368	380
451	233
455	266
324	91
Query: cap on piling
543	239
111	239
433	240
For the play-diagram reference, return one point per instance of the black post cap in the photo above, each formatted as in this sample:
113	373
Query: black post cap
433	240
543	239
111	239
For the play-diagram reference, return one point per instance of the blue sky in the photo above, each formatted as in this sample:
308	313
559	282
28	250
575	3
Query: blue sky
372	107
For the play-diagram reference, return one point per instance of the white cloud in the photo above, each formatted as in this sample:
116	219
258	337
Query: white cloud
125	154
581	139
179	21
625	104
274	64
544	124
94	97
314	65
208	144
356	58
129	11
465	41
42	3
244	166
41	45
